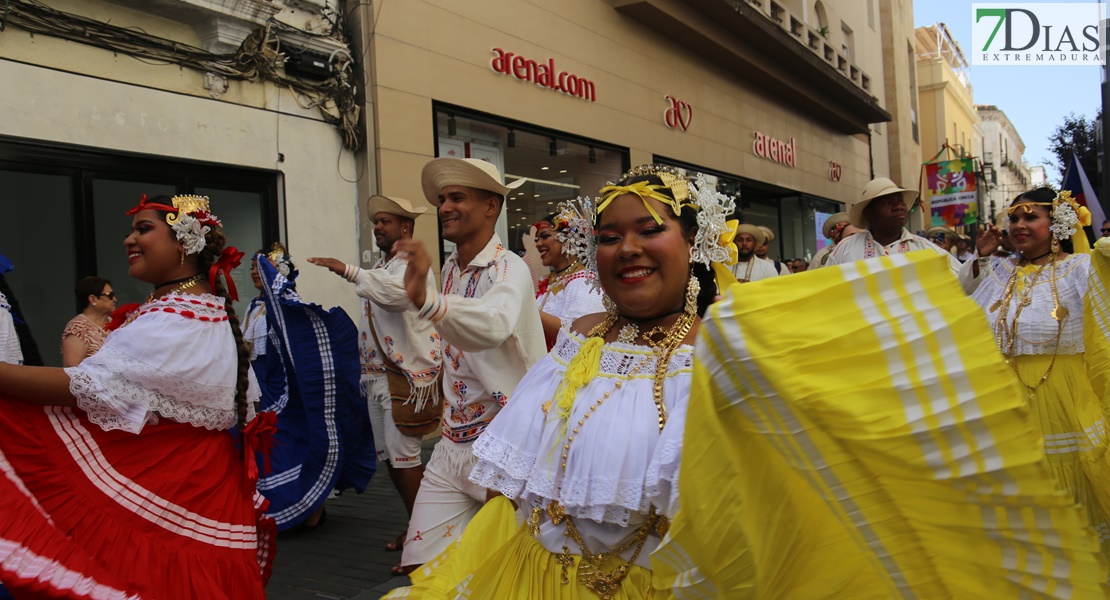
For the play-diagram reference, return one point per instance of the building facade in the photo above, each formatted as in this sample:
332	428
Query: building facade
784	103
248	102
1003	162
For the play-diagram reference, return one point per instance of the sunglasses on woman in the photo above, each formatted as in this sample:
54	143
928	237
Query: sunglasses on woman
108	295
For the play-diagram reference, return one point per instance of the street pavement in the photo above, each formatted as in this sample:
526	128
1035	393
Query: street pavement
345	557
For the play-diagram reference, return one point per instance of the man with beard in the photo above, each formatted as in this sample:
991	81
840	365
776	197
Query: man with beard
400	352
750	267
882	212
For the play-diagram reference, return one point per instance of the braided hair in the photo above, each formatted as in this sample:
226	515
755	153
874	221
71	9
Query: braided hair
216	241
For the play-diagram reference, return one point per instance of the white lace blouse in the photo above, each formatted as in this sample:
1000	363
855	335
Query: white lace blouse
10	351
578	297
176	360
619	463
1036	328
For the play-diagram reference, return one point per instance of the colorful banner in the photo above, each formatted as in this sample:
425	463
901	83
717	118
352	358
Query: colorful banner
950	190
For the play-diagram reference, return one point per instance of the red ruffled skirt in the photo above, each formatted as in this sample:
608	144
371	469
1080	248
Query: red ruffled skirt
88	513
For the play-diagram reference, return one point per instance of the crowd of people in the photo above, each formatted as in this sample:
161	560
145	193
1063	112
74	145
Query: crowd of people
663	415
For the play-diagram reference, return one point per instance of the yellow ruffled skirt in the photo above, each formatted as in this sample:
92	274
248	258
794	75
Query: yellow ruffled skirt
858	436
1071	419
497	558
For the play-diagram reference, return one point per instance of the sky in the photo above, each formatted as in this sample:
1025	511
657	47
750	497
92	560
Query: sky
1035	98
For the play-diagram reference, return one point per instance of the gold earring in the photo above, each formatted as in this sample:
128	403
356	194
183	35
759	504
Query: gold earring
183	258
693	288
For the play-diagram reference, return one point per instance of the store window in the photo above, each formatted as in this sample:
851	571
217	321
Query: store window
64	219
554	166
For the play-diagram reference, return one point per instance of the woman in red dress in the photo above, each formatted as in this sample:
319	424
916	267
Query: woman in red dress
118	477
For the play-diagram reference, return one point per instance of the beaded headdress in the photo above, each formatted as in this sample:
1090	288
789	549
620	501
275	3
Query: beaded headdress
713	243
1067	215
574	227
190	217
279	256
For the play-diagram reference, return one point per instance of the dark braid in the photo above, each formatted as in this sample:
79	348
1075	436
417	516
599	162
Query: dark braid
211	253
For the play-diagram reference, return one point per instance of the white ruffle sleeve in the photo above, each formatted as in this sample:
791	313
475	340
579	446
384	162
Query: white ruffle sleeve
163	364
10	351
619	463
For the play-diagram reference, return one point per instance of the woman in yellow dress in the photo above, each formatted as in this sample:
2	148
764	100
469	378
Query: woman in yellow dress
1035	303
589	446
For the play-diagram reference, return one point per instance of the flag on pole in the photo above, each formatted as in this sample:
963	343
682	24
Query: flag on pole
1075	181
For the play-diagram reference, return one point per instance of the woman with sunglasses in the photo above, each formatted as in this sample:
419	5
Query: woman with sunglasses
1036	304
85	333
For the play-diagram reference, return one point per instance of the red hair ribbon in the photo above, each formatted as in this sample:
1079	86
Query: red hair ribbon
229	259
144	205
119	316
258	436
541	225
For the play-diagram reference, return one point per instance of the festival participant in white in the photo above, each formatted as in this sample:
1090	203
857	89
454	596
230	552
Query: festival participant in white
401	357
486	316
750	267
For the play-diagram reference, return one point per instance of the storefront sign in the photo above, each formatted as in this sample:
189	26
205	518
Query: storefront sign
834	170
773	149
678	114
542	74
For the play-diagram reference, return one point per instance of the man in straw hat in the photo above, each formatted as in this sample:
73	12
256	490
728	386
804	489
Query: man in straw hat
486	314
750	267
943	237
765	248
882	212
964	252
407	365
835	228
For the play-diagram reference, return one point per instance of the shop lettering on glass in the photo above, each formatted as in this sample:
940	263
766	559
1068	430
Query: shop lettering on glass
773	149
834	170
678	114
542	74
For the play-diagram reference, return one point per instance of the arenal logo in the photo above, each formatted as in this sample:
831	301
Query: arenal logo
1038	34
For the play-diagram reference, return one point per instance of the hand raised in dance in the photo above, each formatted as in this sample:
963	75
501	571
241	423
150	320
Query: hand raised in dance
331	264
416	276
990	238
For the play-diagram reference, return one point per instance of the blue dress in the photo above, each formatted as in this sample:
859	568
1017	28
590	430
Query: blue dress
309	376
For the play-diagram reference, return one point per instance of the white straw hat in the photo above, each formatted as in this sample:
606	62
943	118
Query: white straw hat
394	206
470	172
880	186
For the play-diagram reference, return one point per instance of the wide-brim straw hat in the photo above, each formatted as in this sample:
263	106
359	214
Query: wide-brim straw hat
469	172
880	186
832	221
932	231
753	231
394	206
768	234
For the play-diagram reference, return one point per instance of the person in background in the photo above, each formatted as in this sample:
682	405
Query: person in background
570	290
836	227
769	236
1105	231
943	237
882	211
401	355
963	248
85	333
798	265
23	340
750	267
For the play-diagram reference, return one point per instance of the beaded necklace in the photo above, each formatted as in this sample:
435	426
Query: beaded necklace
1006	332
592	572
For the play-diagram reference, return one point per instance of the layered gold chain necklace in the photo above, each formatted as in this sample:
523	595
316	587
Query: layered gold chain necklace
1006	331
592	573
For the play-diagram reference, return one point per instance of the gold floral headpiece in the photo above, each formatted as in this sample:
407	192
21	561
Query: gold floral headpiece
672	180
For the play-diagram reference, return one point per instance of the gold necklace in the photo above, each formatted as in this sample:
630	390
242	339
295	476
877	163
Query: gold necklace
559	279
1006	332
